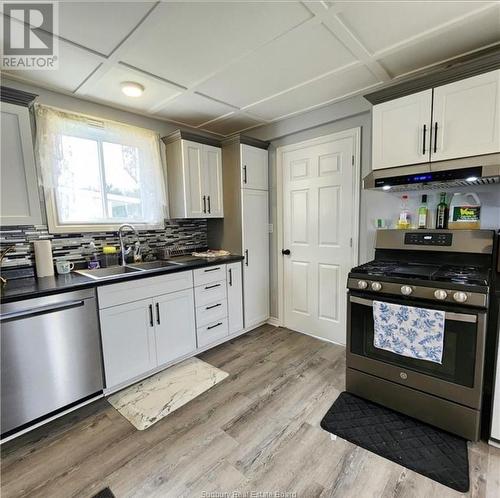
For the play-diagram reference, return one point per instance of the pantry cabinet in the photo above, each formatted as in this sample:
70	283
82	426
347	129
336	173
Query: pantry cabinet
194	176
20	200
451	121
254	174
234	297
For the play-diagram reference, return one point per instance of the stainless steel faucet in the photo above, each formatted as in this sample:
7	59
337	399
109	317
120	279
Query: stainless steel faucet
122	245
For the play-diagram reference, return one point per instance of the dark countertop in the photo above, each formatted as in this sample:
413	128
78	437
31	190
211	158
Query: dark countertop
26	288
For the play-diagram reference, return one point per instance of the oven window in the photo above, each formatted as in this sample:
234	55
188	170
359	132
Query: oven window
459	349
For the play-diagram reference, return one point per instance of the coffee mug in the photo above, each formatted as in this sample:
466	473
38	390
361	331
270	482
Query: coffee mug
64	267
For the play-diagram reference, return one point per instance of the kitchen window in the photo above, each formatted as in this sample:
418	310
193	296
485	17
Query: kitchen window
98	174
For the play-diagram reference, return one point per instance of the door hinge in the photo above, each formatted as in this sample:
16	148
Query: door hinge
350	242
352	160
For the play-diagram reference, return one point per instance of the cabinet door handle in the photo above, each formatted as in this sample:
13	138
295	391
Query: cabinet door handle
435	137
151	323
209	208
213	326
246	257
158	313
213	306
212	269
245	174
230	277
212	286
204	203
423	142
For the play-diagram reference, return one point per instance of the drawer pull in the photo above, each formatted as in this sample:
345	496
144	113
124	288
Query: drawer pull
213	306
212	286
213	326
212	269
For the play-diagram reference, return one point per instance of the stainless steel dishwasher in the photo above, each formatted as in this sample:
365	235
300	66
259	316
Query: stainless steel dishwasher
51	355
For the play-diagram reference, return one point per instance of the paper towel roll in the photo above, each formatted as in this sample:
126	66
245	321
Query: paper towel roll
43	258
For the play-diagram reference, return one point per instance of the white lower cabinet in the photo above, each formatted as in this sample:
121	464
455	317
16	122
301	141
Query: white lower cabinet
128	341
234	297
175	329
158	320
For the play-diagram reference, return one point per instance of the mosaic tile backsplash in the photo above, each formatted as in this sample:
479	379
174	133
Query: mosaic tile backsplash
181	235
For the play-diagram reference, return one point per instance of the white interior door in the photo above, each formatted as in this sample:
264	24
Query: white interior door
320	196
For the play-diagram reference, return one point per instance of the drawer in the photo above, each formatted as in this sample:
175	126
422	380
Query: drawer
211	313
143	288
212	332
208	275
210	293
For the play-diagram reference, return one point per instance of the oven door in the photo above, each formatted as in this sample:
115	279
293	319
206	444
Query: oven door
458	378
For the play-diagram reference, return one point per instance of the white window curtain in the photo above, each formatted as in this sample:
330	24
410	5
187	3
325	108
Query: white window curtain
98	174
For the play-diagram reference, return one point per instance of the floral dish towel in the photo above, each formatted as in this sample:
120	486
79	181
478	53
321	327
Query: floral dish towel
409	331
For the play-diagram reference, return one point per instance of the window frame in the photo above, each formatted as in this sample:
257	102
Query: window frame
55	225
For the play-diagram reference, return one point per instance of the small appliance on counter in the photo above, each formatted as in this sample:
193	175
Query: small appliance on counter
448	272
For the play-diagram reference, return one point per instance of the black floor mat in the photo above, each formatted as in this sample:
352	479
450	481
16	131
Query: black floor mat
104	493
434	453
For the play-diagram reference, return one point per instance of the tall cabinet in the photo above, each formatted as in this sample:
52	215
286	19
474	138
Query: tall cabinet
245	227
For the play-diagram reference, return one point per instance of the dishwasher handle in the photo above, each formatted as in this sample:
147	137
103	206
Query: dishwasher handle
40	310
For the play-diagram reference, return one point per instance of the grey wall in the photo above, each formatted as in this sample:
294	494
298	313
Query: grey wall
352	113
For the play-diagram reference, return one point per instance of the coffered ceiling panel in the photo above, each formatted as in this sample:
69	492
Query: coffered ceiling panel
481	30
188	41
108	89
232	124
293	58
75	65
327	89
194	109
379	25
100	26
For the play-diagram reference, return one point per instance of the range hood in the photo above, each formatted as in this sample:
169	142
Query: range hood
477	170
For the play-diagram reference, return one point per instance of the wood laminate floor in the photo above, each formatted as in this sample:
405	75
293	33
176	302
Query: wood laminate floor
257	431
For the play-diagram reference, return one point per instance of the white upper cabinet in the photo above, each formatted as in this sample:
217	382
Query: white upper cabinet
213	182
460	119
194	178
20	200
401	131
254	171
466	115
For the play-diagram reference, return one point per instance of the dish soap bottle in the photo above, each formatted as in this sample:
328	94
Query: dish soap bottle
422	213
442	212
404	214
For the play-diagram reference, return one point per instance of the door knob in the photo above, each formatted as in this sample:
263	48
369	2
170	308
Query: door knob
286	252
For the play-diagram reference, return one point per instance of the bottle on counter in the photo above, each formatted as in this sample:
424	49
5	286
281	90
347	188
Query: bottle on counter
404	214
442	212
465	212
423	213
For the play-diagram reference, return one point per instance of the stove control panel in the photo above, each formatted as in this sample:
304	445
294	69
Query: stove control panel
428	239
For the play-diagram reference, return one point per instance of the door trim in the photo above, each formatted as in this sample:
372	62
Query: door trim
355	134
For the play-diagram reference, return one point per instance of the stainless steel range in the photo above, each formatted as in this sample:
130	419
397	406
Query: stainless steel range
442	270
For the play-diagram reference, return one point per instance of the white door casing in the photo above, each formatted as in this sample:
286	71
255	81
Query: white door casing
320	215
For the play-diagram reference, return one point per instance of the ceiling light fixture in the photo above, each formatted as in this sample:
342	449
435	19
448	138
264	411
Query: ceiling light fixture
386	187
132	89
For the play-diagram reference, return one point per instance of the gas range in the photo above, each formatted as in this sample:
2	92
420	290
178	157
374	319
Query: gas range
416	269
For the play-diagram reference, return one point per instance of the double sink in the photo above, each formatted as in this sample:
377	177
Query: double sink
113	271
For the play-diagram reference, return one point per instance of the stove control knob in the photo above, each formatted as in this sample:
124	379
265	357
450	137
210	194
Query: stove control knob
406	290
460	297
376	286
362	284
440	294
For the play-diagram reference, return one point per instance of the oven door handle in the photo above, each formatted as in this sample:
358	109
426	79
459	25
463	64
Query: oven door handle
456	317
